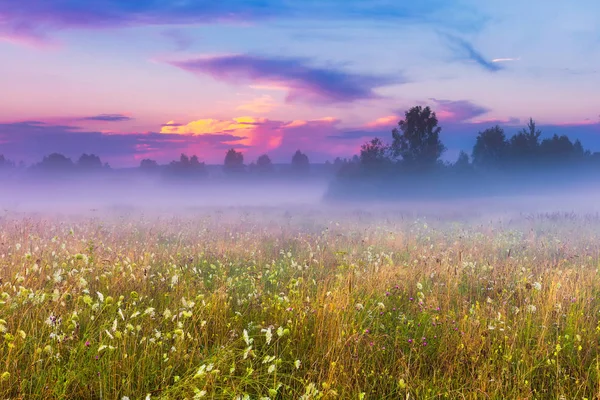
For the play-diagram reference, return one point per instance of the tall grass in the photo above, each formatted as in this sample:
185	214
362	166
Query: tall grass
263	304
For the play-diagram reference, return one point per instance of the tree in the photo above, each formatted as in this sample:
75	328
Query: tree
186	167
55	162
148	164
462	162
300	162
263	164
524	145
89	162
374	154
490	148
416	139
560	149
234	161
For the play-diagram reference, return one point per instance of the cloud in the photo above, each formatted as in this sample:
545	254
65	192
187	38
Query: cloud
458	110
259	105
465	50
108	118
34	18
507	59
303	82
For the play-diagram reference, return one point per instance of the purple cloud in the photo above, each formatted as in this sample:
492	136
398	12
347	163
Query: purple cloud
108	118
303	82
458	110
33	18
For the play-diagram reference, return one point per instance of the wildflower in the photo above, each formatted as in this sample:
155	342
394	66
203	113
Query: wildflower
268	335
537	286
359	306
297	364
247	338
381	306
271	368
531	308
100	297
150	311
419	286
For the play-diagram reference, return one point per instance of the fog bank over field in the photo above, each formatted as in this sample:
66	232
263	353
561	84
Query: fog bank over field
101	195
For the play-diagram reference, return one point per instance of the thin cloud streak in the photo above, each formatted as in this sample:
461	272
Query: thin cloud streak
465	50
108	118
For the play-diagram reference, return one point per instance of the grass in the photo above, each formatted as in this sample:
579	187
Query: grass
257	304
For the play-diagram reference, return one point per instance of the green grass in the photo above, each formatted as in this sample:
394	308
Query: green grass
240	304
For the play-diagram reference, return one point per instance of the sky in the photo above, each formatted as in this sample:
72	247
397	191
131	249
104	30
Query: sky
132	79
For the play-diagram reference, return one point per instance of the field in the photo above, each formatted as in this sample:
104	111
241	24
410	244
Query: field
308	303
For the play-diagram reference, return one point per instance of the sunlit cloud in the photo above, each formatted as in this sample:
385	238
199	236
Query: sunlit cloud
499	60
259	105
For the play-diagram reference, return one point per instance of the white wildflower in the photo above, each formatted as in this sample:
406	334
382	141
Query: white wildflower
268	335
247	338
150	311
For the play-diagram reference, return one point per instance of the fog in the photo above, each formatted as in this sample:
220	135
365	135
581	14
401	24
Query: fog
101	194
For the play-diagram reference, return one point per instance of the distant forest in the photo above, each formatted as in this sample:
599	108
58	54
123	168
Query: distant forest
409	165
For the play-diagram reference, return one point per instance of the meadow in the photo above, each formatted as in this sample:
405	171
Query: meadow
305	303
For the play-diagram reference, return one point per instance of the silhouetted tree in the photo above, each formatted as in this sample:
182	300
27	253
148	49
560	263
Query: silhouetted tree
560	150
55	162
186	167
234	161
300	162
490	148
263	164
525	144
89	162
148	164
374	154
417	139
462	162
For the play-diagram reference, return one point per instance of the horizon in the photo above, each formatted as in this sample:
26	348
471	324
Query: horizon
132	80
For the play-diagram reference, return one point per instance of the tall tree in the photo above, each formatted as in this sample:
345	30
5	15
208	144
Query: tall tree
234	161
300	162
524	146
417	138
490	148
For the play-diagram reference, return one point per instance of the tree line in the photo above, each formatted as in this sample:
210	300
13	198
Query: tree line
416	146
411	163
185	167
